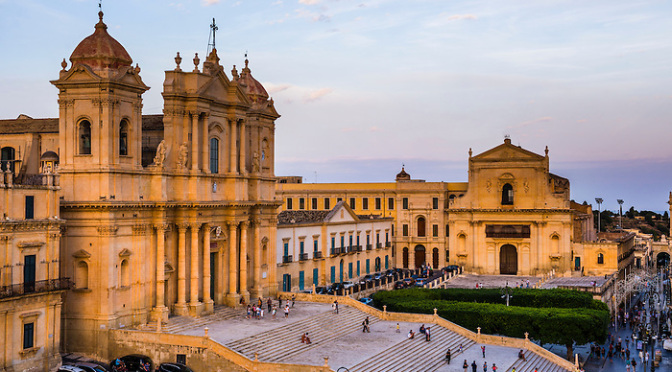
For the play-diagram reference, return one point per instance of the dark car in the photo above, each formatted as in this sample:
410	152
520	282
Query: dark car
91	367
399	284
174	367
409	281
132	363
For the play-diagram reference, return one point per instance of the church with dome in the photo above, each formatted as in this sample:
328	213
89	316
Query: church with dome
156	215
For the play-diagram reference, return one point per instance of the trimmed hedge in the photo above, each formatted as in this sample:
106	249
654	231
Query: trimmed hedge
560	325
538	298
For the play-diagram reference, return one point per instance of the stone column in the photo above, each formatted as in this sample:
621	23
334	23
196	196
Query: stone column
181	305
233	296
160	311
209	305
232	146
242	148
243	259
256	247
195	141
195	306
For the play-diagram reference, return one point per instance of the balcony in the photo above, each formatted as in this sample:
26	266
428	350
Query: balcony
303	256
286	259
335	251
369	247
388	244
41	286
317	254
379	245
358	248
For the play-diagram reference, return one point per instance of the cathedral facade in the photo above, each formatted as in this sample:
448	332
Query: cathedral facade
164	214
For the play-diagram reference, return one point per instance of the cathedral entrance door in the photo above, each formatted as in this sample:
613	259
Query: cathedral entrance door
419	256
508	260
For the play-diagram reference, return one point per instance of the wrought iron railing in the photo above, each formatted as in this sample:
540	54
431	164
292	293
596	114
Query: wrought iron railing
287	259
303	256
317	254
35	287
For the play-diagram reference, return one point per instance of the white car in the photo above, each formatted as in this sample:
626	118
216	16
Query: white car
348	284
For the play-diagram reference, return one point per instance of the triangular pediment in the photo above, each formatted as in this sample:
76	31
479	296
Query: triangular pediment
80	73
507	152
125	253
81	254
221	89
341	213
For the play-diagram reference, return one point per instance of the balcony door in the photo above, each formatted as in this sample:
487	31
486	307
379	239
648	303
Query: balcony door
29	273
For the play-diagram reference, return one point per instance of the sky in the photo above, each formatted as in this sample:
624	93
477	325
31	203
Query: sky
365	86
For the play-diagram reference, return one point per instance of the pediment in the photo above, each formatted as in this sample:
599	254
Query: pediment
341	213
81	254
507	152
80	73
125	253
221	89
131	78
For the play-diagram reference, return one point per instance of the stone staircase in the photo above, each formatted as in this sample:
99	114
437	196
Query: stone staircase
535	361
281	344
417	354
178	324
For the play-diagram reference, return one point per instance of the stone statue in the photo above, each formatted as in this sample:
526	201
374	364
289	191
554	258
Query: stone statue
184	156
160	156
255	162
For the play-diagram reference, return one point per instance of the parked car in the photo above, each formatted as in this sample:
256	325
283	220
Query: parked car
174	367
409	281
91	367
399	284
321	290
132	363
348	284
69	368
366	301
420	282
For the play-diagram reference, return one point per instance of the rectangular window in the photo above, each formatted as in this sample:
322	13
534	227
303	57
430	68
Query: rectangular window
390	203
333	242
365	203
352	203
214	155
301	280
387	237
435	203
435	230
350	241
289	204
447	230
404	229
327	204
285	249
405	203
302	203
314	203
301	247
28	335
358	271
316	276
350	270
342	241
357	238
392	230
333	274
315	246
368	266
30	207
378	204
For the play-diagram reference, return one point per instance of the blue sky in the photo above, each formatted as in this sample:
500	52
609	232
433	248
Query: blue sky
364	86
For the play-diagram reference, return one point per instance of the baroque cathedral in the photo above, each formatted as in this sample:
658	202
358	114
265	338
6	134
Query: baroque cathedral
158	214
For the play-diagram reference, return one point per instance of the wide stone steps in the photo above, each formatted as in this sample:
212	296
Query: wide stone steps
535	361
283	343
181	323
417	354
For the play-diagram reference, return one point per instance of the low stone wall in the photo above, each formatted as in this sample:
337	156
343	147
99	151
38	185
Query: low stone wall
518	343
202	353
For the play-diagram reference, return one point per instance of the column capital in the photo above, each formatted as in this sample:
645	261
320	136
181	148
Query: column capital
244	224
162	227
195	226
181	226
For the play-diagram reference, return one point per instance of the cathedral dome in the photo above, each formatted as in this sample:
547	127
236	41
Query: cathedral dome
253	88
100	50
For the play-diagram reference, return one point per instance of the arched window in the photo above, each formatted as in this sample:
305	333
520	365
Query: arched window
600	258
214	155
421	226
507	194
7	157
125	274
82	275
84	137
123	138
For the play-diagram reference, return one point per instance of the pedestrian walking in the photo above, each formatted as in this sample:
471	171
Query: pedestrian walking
365	325
634	365
286	311
465	365
448	355
293	298
269	303
483	350
335	305
494	367
474	366
485	366
398	331
427	335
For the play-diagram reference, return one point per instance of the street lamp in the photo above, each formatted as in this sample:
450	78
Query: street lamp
620	212
599	212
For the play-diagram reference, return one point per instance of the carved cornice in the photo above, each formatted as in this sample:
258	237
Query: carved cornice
107	230
30	244
510	211
65	102
29	225
140	229
169	205
81	254
182	226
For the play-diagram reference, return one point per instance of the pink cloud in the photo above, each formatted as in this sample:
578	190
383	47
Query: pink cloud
317	94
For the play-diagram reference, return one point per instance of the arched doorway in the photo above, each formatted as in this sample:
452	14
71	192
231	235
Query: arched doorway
508	260
419	255
435	258
404	257
662	259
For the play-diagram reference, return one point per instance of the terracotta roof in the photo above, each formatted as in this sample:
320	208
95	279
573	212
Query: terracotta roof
252	87
100	50
297	217
25	124
403	176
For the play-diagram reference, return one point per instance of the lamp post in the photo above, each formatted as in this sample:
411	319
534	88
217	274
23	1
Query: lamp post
599	213
620	212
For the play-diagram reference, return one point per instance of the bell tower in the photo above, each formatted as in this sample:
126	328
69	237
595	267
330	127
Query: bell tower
100	112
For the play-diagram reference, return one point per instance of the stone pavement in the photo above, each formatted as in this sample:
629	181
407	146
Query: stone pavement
490	281
340	338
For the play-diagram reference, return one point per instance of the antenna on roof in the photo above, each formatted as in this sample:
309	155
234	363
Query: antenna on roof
211	38
507	136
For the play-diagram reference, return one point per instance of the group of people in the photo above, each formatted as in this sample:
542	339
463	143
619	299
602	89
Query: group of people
256	311
474	366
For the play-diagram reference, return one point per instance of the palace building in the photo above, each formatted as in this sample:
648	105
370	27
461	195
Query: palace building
512	217
157	214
